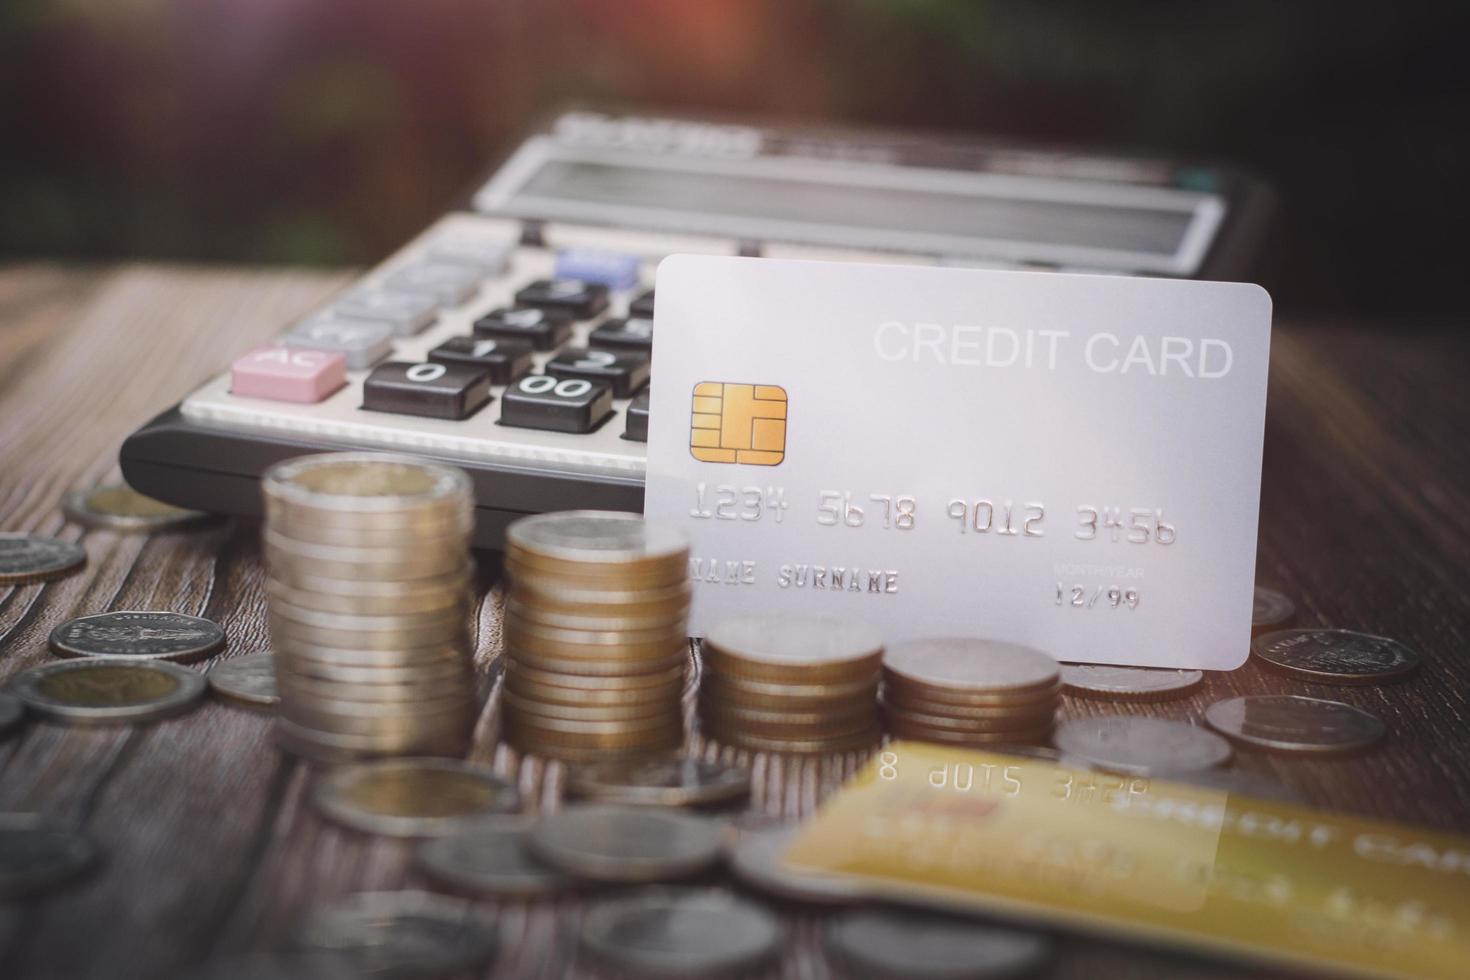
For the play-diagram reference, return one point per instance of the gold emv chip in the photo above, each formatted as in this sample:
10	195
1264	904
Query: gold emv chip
734	423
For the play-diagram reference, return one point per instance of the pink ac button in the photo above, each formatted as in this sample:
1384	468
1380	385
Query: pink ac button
288	374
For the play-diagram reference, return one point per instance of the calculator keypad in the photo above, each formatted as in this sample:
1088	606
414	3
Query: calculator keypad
631	333
288	374
574	297
448	285
542	329
406	313
433	389
503	360
541	401
615	270
624	371
362	343
636	429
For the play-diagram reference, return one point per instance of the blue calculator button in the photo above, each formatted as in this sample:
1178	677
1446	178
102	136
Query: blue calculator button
615	270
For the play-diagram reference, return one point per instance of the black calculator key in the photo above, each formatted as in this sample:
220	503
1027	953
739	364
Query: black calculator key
542	329
438	391
637	428
575	297
503	360
634	333
540	401
626	371
642	306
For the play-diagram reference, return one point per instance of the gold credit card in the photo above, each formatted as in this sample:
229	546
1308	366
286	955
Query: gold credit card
1126	856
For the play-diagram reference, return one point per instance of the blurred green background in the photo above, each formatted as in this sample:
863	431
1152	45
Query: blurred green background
329	131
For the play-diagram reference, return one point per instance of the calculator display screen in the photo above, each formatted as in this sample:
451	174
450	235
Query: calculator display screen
939	212
1158	231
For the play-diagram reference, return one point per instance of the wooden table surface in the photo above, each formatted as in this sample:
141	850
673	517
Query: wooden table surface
210	850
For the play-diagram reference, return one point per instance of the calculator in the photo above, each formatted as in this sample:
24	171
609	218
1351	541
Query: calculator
513	336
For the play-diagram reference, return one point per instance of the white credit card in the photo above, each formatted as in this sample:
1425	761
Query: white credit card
1067	461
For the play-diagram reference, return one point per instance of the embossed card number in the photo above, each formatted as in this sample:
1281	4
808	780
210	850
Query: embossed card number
1067	461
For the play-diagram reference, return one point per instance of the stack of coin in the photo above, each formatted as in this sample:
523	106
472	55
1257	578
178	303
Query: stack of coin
779	684
596	636
370	596
970	692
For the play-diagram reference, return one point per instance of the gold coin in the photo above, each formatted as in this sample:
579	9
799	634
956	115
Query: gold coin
303	655
592	667
615	602
108	691
573	696
634	712
804	650
584	754
318	693
576	727
717	690
925	697
387	564
405	604
413	797
309	671
576	684
403	727
899	728
287	632
454	615
973	723
745	689
596	538
366	482
758	743
450	531
308	579
902	700
332	747
540	740
852	716
537	616
630	648
962	664
118	507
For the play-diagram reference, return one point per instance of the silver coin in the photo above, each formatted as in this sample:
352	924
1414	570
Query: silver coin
681	933
756	860
25	558
661	782
1138	746
108	691
137	635
626	843
402	933
1270	608
492	860
118	507
915	944
12	710
1335	656
413	797
595	536
36	855
250	679
1128	683
1291	723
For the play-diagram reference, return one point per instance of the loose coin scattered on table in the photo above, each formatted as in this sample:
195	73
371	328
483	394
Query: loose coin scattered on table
402	933
137	635
660	782
250	679
680	933
492	860
106	691
1139	746
596	637
12	710
36	855
930	946
1330	656
755	858
1108	683
369	588
26	558
791	684
118	507
971	692
1294	724
1270	610
626	843
413	797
